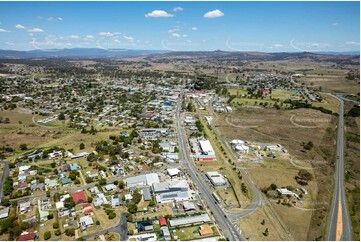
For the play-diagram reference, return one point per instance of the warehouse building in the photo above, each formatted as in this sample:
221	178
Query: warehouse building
216	178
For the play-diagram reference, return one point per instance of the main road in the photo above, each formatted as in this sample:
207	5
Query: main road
229	230
339	225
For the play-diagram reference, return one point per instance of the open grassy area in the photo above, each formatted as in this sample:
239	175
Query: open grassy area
274	126
189	233
331	83
253	228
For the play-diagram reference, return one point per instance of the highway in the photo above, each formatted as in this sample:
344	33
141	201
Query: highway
339	225
228	229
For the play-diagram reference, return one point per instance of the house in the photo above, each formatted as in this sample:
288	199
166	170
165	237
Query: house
88	174
85	222
101	199
205	230
146	194
110	187
23	185
39	186
102	174
55	154
145	226
63	197
87	209
166	233
94	190
65	181
115	201
43	215
51	183
4	213
165	145
79	197
59	206
74	167
24	207
27	236
163	222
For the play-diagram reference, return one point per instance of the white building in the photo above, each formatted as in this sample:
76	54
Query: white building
206	147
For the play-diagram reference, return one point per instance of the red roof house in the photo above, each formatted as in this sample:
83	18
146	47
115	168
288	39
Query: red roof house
23	185
79	197
163	222
27	237
89	212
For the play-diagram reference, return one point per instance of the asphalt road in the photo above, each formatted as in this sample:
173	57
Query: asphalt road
339	225
228	229
5	174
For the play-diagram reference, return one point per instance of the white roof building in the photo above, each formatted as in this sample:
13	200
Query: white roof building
59	205
216	178
206	147
173	172
142	180
189	220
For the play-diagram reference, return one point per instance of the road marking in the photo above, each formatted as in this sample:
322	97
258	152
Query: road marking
339	223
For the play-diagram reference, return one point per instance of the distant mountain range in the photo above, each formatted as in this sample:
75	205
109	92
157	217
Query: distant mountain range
76	53
121	53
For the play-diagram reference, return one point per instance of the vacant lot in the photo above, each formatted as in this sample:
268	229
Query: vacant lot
290	128
331	83
256	224
22	130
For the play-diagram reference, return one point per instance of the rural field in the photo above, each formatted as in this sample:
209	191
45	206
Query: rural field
290	128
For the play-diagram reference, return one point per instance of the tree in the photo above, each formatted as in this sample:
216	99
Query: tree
151	203
89	199
24	225
76	181
61	116
121	184
132	207
82	146
55	225
5	202
97	223
57	232
6	121
47	235
50	216
265	233
273	186
69	203
305	175
129	217
23	146
102	182
70	232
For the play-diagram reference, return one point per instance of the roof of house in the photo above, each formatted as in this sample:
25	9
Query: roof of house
146	194
65	181
37	186
79	197
24	184
163	222
4	212
205	229
86	220
25	237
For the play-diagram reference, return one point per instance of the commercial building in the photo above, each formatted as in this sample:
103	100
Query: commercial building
206	147
203	218
216	178
142	180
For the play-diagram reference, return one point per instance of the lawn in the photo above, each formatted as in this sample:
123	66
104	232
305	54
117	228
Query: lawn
189	233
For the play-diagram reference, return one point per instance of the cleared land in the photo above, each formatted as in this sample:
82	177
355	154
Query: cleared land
275	126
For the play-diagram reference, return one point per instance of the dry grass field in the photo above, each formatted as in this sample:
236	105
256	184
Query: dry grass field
290	128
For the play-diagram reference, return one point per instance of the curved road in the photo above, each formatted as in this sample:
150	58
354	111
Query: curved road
339	224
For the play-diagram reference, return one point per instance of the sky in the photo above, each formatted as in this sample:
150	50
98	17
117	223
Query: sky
181	26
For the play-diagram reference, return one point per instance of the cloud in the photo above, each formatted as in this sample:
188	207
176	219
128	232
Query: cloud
213	14
158	14
30	30
184	36
4	31
55	19
89	38
277	46
353	43
74	36
194	28
128	38
334	24
106	34
19	26
9	43
177	9
35	30
173	30
176	35
117	41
